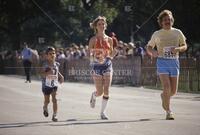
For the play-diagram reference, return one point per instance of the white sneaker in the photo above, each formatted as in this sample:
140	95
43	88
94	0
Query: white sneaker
93	100
103	116
169	116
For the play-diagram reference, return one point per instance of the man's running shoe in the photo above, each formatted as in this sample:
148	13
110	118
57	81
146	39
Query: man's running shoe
169	116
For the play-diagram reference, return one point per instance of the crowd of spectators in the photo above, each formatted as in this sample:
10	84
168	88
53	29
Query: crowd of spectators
75	52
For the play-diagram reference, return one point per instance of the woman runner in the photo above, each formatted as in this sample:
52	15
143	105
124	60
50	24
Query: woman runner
101	50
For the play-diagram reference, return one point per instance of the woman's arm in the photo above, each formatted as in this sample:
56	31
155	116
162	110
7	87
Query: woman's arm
91	47
91	43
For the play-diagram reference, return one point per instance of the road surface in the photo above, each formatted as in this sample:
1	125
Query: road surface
131	111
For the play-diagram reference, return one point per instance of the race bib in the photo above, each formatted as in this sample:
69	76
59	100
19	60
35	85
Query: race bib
51	81
167	52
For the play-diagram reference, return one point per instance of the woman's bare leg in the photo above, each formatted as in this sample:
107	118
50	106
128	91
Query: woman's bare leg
98	81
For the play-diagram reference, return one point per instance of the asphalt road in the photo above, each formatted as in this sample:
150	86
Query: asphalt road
131	111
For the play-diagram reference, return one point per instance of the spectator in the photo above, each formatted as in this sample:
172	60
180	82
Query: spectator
140	51
87	51
77	53
61	55
27	62
114	38
131	48
83	52
35	56
197	54
121	50
69	53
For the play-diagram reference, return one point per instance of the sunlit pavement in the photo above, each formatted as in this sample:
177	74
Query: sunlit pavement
131	111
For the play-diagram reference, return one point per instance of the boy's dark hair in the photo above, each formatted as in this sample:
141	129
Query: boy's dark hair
49	49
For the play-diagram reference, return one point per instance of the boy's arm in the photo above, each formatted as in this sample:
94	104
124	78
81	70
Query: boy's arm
60	78
43	74
45	71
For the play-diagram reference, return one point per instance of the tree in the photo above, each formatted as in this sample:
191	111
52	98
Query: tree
67	21
14	13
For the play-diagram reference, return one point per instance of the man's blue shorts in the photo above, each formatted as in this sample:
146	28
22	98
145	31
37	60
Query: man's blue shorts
170	67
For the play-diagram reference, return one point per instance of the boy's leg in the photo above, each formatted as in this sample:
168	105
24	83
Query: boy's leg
55	106
54	100
45	107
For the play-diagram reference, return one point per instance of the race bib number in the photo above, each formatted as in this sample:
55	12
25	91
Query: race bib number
168	52
51	81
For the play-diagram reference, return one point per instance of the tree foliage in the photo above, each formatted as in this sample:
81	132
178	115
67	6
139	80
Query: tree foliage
62	22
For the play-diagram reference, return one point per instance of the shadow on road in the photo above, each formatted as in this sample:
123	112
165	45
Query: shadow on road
23	124
94	122
70	122
196	98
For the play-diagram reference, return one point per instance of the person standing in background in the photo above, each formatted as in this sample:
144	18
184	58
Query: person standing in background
27	61
115	40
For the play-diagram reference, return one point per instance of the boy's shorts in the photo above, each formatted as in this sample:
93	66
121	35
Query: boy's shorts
49	90
170	67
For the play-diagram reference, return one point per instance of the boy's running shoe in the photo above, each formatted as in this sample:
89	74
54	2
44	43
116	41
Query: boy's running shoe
54	118
45	112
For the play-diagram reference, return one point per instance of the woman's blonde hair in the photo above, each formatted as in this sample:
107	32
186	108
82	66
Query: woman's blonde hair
163	14
93	24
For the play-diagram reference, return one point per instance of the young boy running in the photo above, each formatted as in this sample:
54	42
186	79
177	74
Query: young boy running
50	78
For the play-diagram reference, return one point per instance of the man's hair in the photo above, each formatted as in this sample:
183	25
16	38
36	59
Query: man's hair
163	14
